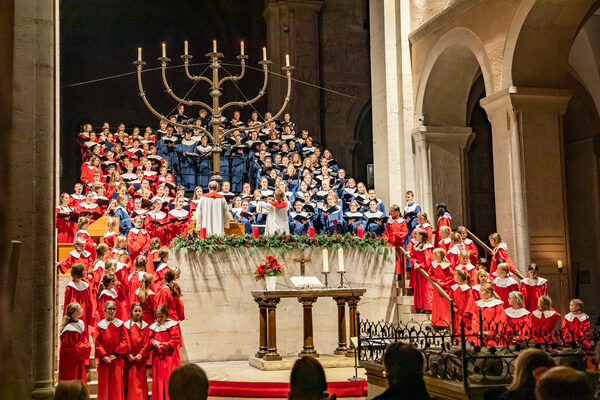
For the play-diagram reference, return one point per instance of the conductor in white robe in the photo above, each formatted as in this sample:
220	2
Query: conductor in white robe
212	212
277	214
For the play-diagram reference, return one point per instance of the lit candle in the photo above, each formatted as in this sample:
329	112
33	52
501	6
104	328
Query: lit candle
341	260
325	260
214	46
560	266
311	232
139	54
264	54
287	60
185	48
242	47
255	233
360	232
164	50
203	233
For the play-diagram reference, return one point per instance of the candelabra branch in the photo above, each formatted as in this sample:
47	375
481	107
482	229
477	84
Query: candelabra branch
288	72
234	78
261	93
186	59
173	95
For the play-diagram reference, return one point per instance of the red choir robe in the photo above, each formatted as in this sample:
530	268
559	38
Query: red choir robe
501	251
118	297
577	328
74	257
90	245
97	273
453	254
518	324
442	221
122	275
423	291
491	322
152	255
464	307
427	228
469	269
137	242
109	238
503	286
156	225
134	373
134	280
476	292
532	291
395	233
111	340
87	173
164	360
75	199
74	352
65	230
543	325
165	296
148	306
180	308
159	277
81	292
178	223
92	208
472	249
444	244
443	274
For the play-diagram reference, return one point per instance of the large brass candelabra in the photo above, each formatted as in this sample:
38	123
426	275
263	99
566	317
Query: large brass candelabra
215	83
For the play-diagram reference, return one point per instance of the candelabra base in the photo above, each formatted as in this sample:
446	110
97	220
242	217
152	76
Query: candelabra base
326	279
342	273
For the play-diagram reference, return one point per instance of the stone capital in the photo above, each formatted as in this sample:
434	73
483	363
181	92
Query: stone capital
442	134
523	96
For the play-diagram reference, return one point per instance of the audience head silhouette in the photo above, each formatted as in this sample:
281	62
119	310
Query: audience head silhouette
563	383
307	380
71	390
403	364
188	382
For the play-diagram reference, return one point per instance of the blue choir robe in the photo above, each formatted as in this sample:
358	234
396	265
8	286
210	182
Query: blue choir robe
411	210
124	221
358	220
259	219
187	163
373	227
238	169
243	220
204	165
166	148
331	217
297	227
224	165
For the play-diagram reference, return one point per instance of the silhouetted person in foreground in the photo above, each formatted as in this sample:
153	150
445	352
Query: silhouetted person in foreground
563	383
71	390
307	380
404	370
188	382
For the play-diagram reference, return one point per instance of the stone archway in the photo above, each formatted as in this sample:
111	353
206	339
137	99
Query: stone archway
362	152
454	64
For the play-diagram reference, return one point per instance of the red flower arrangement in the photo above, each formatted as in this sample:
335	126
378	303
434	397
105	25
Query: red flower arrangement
271	268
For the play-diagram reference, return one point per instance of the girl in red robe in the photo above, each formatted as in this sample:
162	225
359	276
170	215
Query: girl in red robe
79	291
122	272
154	246
146	298
468	243
518	320
110	235
110	348
424	224
500	251
395	233
65	229
74	346
98	270
444	219
88	207
165	340
135	278
134	373
463	303
504	284
77	255
179	219
481	278
421	257
138	239
90	245
161	268
463	263
442	273
543	321
110	292
77	197
156	221
170	295
456	246
533	287
445	241
576	327
489	320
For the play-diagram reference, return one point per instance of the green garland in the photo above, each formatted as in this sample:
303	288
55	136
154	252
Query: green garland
281	243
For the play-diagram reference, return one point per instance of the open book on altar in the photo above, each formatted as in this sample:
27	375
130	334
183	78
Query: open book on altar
303	282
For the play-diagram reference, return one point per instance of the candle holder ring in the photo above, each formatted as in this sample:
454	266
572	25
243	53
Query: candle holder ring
342	273
326	279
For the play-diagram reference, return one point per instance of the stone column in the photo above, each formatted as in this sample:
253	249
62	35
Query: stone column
441	159
293	28
28	163
529	175
391	93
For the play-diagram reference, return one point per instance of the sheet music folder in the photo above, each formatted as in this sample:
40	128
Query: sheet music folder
306	282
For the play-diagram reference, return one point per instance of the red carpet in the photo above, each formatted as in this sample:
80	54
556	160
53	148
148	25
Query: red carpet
280	389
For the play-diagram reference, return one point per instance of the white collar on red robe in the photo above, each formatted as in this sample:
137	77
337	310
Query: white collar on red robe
580	316
78	196
88	206
468	267
78	327
140	273
104	323
516	312
76	254
501	246
530	282
485	303
178	213
397	220
110	233
546	314
82	232
137	291
110	293
120	266
161	266
81	285
157	215
442	265
99	264
423	226
504	282
166	325
419	246
456	249
464	287
477	287
467	242
446	240
136	230
141	324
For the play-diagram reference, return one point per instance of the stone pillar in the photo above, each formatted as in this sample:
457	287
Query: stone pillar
529	175
28	163
293	28
441	159
391	93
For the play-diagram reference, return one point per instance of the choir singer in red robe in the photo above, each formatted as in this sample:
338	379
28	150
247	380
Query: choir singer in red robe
395	233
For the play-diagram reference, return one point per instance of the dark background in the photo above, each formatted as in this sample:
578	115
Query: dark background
99	39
